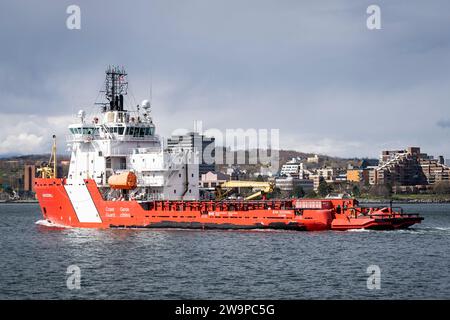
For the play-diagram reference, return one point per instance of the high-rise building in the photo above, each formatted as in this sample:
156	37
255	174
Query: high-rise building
409	167
28	177
203	145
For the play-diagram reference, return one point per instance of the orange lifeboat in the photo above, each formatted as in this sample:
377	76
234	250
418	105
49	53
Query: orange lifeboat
125	180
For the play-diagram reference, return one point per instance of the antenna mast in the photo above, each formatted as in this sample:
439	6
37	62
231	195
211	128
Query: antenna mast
116	86
53	156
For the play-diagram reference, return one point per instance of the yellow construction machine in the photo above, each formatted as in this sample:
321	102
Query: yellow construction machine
260	187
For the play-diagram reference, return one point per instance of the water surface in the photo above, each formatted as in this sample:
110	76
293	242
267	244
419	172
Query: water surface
211	264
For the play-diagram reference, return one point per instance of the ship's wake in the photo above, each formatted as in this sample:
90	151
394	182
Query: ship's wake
359	230
47	223
416	230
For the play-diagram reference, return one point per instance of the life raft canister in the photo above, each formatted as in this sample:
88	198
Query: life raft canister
125	180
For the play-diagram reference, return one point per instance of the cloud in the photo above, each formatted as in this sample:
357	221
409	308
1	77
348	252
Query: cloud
444	123
32	134
310	69
27	143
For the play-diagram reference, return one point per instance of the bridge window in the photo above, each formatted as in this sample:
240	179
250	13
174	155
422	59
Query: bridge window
136	132
83	130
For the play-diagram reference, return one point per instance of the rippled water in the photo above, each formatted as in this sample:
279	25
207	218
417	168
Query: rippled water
188	264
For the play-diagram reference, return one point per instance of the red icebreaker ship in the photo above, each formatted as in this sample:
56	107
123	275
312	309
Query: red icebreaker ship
122	176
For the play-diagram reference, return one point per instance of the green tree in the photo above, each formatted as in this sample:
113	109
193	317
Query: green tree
442	187
389	189
355	191
311	194
8	190
381	191
324	189
276	193
298	192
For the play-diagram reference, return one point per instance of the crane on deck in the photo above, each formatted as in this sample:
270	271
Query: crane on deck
47	171
261	188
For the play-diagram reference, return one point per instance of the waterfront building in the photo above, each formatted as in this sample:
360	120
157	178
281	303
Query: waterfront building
409	167
288	184
292	167
313	159
326	174
193	141
28	177
211	180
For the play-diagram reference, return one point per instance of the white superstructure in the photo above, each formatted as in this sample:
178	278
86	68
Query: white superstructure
120	140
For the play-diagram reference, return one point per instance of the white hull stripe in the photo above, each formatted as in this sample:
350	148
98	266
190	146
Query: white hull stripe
82	203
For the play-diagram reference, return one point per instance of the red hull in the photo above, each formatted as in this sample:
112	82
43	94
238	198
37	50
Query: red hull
83	206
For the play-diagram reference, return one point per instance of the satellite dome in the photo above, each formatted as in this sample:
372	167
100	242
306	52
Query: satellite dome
146	104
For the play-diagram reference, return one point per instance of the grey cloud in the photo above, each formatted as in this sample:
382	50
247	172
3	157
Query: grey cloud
444	123
309	68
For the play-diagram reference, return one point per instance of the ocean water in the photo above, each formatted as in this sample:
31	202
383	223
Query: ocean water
195	264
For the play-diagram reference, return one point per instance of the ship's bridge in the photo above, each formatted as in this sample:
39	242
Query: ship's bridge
82	132
124	126
116	125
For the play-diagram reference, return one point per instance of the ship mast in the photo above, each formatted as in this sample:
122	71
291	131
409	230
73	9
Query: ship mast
54	157
116	86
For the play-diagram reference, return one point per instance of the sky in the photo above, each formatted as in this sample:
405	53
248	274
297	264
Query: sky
311	69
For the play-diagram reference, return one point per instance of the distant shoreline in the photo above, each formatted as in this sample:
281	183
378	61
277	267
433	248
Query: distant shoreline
361	201
18	201
394	201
